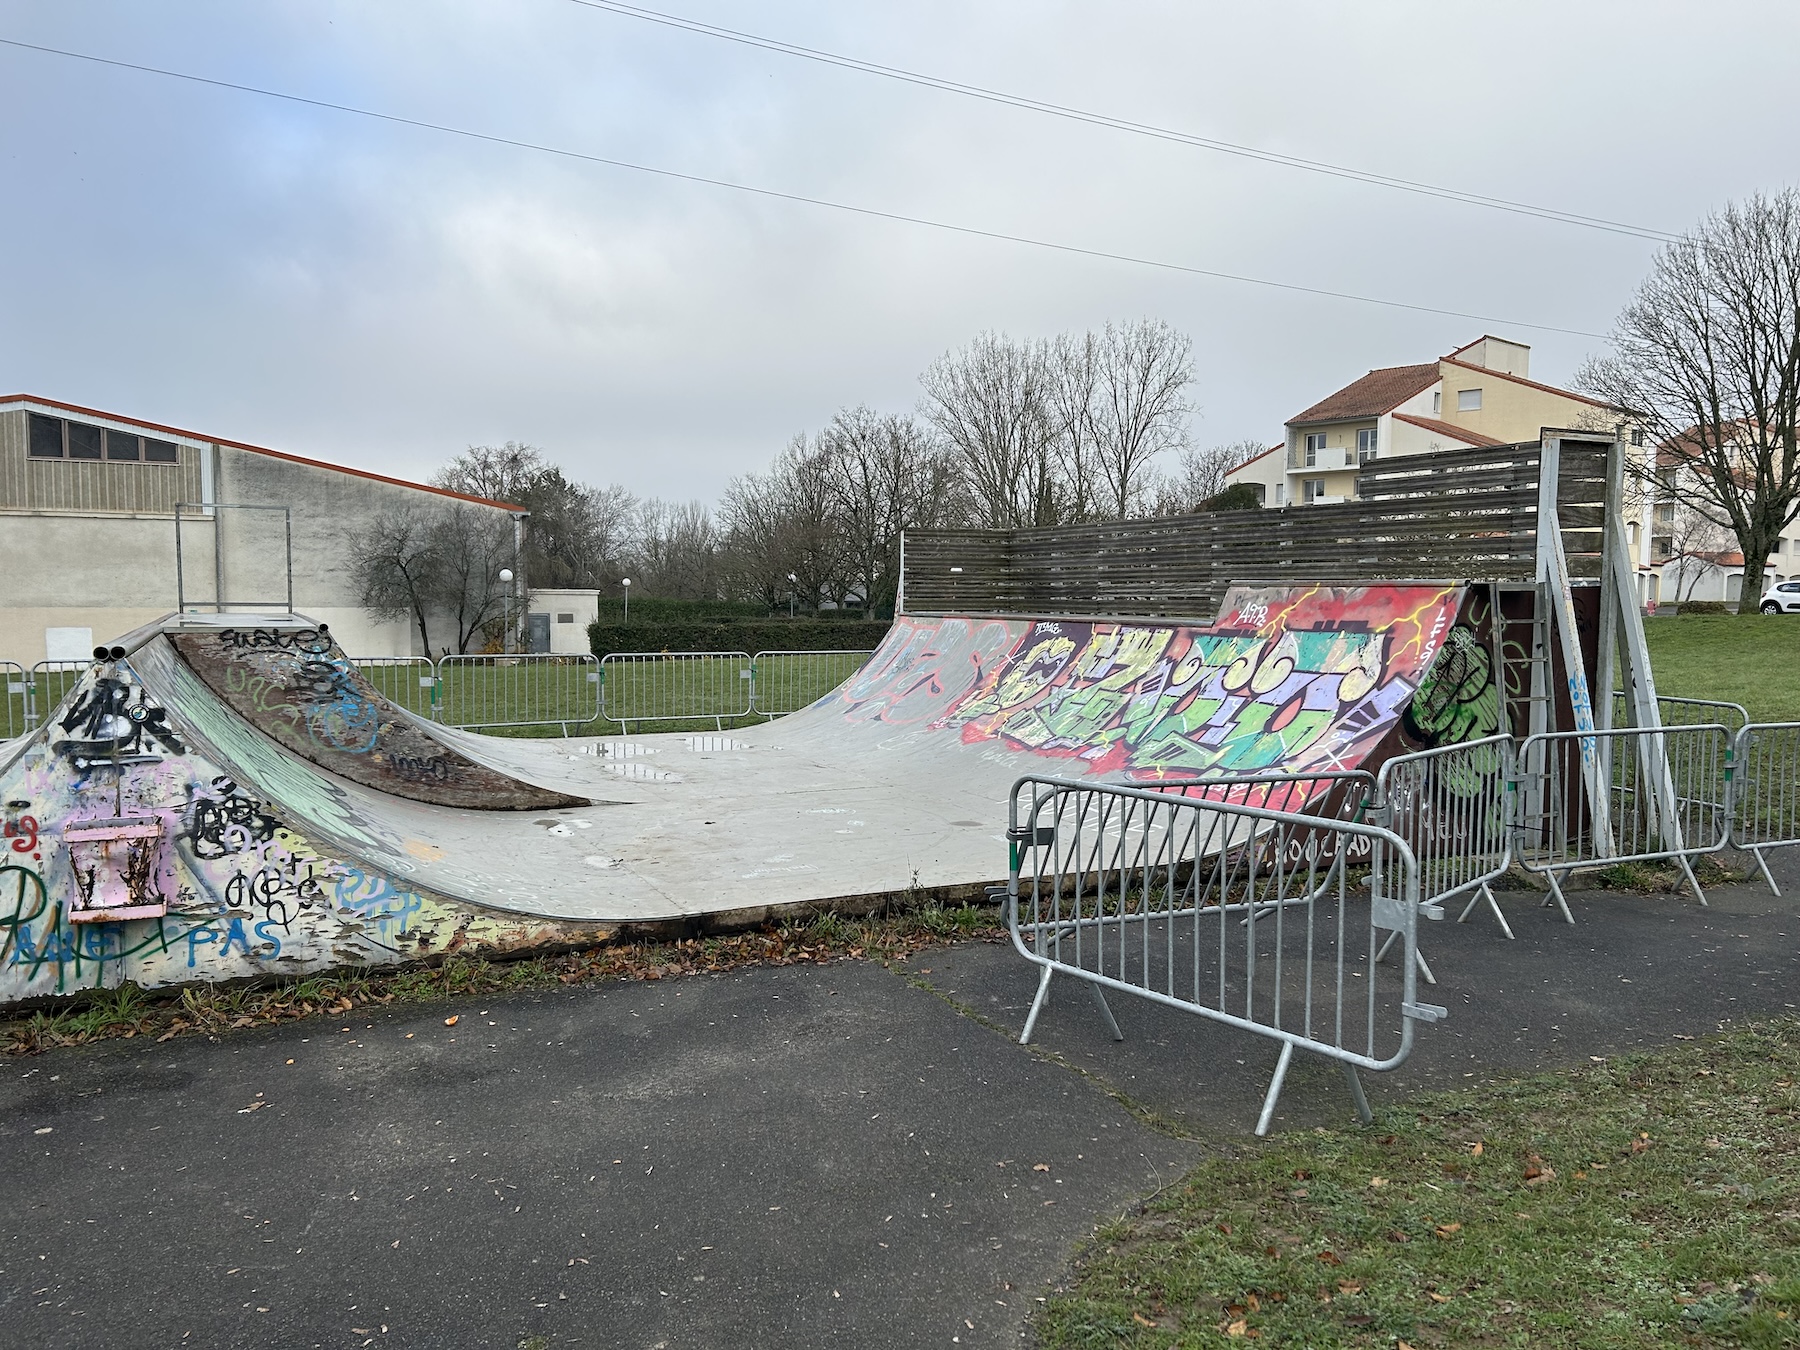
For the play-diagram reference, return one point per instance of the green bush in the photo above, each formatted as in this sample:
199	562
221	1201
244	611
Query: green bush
1708	607
771	635
655	609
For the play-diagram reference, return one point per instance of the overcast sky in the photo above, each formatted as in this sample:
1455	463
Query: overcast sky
384	295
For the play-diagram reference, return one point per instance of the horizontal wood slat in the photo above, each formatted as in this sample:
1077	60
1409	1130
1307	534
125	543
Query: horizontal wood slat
1451	515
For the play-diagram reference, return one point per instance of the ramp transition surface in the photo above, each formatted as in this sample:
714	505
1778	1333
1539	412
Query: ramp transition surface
153	789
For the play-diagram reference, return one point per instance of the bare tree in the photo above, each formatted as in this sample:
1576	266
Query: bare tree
991	403
1695	543
575	535
1707	359
677	550
1074	366
1199	476
470	546
885	474
1142	370
442	561
394	566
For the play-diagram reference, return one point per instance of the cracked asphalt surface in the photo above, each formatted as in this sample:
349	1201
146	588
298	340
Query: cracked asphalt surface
799	1156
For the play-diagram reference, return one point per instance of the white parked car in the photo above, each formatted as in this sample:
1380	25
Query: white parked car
1782	598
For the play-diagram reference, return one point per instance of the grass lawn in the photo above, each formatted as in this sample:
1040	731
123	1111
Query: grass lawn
1752	661
1649	1201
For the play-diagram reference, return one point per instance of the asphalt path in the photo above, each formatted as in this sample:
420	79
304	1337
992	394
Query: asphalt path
835	1155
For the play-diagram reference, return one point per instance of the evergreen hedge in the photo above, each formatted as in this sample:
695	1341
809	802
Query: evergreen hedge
751	636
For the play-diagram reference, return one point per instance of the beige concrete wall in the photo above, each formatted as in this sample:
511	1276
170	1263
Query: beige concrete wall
582	608
115	571
1511	411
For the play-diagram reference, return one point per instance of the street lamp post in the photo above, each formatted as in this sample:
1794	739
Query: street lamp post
626	583
793	581
506	609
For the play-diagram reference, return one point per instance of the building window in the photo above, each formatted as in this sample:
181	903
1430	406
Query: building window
1365	444
84	440
565	618
1468	400
1437	402
46	437
1315	489
54	438
1664	547
1637	438
1280	489
1315	446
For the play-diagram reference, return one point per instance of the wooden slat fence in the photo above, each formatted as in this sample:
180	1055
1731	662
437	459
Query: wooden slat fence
1451	515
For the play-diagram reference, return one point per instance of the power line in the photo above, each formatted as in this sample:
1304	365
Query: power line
777	195
1122	124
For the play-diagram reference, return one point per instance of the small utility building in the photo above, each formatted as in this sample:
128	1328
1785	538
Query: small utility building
88	531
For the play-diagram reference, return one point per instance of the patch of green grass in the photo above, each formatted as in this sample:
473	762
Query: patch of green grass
1648	1201
1740	659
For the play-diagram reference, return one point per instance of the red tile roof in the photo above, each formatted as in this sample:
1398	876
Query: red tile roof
1450	429
256	450
1377	392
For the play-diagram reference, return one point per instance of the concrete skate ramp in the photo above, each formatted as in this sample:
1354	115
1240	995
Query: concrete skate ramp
895	785
294	685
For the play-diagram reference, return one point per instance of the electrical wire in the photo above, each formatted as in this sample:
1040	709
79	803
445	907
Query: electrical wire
777	195
1122	124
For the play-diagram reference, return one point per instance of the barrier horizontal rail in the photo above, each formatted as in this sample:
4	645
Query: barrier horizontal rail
1452	806
522	690
1239	914
1765	807
783	682
675	687
410	681
1667	795
1673	711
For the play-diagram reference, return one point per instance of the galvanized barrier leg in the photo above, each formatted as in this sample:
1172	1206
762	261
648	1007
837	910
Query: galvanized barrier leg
1112	1024
1556	897
1485	894
1763	864
1693	881
1418	956
1363	1113
1037	1005
1274	1093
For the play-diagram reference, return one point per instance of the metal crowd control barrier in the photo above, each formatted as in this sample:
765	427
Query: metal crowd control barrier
1451	806
48	685
14	684
785	682
1237	913
1683	712
1667	795
675	687
528	689
410	681
1765	806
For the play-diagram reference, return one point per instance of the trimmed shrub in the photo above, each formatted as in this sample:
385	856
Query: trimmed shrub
764	635
655	609
1709	607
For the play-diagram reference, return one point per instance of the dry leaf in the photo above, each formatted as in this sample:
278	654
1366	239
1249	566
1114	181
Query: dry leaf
1141	1320
1237	1328
1436	1297
1331	1258
1475	1148
1445	1230
1377	1183
1403	1345
1040	1167
452	1021
1350	1286
1254	1302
